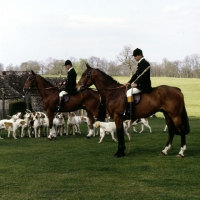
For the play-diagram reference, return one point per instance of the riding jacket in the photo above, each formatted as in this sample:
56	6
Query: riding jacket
144	81
70	86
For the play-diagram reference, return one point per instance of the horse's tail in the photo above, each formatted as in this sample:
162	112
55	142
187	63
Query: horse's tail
185	121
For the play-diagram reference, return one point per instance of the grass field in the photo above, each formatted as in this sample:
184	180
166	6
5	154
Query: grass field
73	167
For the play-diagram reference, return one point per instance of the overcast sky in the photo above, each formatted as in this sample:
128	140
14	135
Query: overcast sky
39	29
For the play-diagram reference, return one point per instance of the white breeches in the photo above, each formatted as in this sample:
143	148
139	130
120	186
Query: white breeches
132	91
62	93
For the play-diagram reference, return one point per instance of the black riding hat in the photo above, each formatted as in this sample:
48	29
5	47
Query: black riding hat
137	52
68	62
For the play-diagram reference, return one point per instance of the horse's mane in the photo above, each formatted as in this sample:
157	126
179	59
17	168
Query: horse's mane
109	77
47	82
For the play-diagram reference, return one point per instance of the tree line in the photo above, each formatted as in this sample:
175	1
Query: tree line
124	65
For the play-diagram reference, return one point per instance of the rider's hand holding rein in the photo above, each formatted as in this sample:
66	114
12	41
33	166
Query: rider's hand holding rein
61	84
134	85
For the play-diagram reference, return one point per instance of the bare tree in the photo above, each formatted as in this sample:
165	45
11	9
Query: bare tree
126	59
195	63
96	62
10	67
114	69
170	68
156	69
30	65
80	66
186	69
59	67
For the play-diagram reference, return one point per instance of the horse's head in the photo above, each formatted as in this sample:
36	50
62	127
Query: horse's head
86	78
30	82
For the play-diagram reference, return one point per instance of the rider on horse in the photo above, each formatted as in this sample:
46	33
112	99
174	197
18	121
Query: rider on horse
70	83
140	81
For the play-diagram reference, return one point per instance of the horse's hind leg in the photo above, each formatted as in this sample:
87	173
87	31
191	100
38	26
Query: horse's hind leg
183	145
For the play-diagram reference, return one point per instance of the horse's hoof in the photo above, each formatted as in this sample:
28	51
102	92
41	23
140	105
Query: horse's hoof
54	138
162	154
180	156
119	155
87	137
47	138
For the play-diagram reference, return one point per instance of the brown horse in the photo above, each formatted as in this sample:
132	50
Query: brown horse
88	98
166	99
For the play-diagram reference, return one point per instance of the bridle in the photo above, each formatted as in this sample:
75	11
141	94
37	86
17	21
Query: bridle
28	85
88	76
32	87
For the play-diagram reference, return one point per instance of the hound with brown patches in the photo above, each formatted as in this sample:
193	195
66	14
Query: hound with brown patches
143	121
10	124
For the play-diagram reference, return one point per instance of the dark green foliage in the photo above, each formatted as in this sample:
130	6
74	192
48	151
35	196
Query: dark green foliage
19	106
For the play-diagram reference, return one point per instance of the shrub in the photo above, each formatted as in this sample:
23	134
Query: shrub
19	106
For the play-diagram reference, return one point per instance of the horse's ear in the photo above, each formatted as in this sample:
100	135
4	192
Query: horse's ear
32	72
87	65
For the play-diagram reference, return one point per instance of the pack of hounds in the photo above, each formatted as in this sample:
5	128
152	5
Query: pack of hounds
36	124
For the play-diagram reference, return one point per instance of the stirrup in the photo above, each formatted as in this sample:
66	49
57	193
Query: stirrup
58	109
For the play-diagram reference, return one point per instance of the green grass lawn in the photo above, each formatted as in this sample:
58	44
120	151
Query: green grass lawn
73	167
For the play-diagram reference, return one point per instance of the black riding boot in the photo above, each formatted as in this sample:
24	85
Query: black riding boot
127	111
59	104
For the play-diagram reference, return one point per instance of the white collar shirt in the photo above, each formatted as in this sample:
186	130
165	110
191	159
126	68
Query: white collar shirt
140	59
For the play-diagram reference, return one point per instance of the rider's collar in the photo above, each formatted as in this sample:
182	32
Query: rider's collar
140	59
69	69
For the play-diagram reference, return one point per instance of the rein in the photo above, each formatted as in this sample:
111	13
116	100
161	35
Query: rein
113	88
105	88
48	88
86	88
45	88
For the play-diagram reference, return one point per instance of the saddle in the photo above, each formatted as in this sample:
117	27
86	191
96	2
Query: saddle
66	98
136	98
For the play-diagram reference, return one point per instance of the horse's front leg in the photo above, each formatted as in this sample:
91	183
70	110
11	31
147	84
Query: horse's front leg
169	143
52	130
120	135
91	128
170	124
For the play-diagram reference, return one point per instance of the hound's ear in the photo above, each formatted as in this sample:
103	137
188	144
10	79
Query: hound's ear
32	72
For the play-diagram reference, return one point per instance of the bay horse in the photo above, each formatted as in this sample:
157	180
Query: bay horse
166	99
86	98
